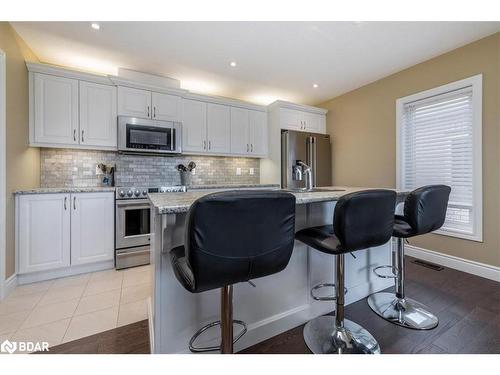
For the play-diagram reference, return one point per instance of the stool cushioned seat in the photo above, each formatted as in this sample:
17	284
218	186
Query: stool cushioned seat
235	236
361	220
424	211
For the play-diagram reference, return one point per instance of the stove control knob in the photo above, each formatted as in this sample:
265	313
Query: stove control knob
129	193
121	193
137	193
144	192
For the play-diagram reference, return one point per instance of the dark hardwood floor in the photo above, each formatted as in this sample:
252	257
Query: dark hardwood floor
468	308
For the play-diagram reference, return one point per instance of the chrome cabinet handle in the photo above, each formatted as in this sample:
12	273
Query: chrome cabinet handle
204	145
148	110
209	145
247	147
83	139
251	147
74	135
74	203
154	112
65	201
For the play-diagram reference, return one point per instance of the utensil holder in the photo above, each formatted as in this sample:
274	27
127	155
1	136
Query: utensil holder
186	178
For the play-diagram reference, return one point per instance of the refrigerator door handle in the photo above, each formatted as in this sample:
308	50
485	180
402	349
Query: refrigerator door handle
314	159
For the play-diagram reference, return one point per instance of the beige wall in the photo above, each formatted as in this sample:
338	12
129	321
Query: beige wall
363	128
23	163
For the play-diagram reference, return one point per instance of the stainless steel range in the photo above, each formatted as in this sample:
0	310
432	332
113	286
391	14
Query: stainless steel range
132	234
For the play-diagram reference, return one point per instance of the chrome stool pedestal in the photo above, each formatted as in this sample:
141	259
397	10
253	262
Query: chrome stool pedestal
336	335
397	308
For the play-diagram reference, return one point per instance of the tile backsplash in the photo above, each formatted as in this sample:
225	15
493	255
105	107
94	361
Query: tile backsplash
66	168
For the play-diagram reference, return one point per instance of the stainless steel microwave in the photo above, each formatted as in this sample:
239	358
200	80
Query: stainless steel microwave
144	136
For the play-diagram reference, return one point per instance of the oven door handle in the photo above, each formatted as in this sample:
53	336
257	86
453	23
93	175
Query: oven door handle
124	204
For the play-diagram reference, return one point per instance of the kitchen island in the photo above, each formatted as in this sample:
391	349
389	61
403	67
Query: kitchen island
277	303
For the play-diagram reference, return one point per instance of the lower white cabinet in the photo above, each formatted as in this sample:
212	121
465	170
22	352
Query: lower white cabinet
44	232
92	227
64	230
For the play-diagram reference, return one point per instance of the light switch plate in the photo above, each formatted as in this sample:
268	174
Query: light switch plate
238	171
251	171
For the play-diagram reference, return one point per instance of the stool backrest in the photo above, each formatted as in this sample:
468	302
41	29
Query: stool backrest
425	208
364	219
236	236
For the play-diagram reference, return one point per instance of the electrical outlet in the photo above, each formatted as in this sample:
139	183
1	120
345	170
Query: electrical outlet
193	171
251	172
238	171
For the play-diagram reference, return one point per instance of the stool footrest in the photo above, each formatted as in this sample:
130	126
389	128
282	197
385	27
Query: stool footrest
324	285
382	276
202	349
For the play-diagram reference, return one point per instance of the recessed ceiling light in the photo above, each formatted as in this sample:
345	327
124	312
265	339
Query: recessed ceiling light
95	26
315	85
233	63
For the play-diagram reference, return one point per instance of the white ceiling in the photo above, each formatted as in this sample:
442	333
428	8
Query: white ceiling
276	60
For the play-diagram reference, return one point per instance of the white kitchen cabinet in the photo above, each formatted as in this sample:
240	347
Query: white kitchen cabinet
97	115
240	143
54	111
194	126
134	102
58	232
293	119
92	227
166	107
43	239
258	132
219	128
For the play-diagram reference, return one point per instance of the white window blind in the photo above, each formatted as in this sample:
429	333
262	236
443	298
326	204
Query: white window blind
437	147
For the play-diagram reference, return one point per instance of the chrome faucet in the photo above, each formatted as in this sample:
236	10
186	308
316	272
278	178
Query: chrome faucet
307	171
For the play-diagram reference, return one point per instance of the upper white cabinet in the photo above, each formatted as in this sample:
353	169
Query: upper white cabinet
55	110
146	104
71	113
43	234
248	132
64	230
194	126
166	107
92	227
219	128
97	114
134	102
293	119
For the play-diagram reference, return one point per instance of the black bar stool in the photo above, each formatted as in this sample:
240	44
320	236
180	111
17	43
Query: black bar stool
424	212
232	237
361	220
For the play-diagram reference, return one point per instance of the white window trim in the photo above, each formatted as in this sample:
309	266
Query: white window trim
3	109
477	106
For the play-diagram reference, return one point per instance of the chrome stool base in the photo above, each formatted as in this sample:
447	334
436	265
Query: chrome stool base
403	312
323	337
203	349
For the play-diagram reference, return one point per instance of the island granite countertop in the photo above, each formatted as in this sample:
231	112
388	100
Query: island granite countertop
175	203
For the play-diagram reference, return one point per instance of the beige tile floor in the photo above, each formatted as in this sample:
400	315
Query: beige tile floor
66	309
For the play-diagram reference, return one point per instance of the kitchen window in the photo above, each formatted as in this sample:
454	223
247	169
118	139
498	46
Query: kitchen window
439	142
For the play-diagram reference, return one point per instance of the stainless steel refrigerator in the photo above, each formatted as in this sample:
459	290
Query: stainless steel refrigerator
311	148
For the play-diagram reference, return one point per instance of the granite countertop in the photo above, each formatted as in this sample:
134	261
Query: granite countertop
233	186
62	190
174	203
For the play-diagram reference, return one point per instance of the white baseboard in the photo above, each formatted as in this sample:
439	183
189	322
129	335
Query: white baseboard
460	264
9	285
63	272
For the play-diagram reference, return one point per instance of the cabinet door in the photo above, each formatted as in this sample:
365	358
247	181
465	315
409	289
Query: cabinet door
240	143
291	119
43	232
92	227
219	128
312	122
166	107
97	115
134	102
258	133
55	110
194	126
